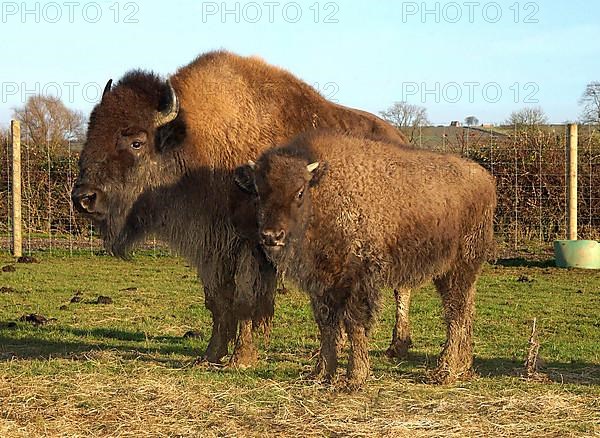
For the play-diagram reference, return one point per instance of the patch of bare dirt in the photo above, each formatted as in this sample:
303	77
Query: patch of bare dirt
35	319
27	259
192	334
104	300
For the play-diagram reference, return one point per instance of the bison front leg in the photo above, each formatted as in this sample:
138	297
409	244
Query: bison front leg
254	302
359	318
219	301
245	353
328	320
358	362
457	289
223	332
401	340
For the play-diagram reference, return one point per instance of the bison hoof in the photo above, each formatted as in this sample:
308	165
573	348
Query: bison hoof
445	376
319	374
243	359
206	362
398	349
322	378
350	385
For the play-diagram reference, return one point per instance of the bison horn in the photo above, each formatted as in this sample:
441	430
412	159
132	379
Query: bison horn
170	113
312	167
251	164
107	88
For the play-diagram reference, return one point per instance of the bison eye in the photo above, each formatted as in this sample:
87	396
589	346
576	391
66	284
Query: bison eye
136	145
300	194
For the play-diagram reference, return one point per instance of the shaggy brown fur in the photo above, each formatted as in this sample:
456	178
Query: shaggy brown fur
373	215
176	180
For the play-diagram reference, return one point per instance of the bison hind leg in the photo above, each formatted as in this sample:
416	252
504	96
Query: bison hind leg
401	340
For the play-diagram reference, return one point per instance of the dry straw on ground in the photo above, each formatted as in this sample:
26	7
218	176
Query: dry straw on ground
152	400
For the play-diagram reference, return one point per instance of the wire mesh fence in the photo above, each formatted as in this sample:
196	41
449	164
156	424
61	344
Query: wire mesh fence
49	220
529	166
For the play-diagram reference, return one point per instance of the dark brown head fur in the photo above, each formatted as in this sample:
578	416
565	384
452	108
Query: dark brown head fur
126	153
282	179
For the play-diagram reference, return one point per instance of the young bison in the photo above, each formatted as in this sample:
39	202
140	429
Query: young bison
348	216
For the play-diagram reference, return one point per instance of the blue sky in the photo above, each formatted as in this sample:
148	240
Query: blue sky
455	58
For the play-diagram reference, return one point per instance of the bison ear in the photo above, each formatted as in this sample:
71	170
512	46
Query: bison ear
317	171
244	178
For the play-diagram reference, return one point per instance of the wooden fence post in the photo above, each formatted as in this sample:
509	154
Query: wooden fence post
572	179
15	128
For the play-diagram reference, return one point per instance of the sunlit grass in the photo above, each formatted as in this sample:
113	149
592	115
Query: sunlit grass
125	368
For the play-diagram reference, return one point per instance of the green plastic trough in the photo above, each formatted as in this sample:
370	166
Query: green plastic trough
577	254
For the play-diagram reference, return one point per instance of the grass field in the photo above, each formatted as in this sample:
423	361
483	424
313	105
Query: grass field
125	369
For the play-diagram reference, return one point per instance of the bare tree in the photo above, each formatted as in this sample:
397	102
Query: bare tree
527	117
590	100
46	120
471	121
47	127
406	117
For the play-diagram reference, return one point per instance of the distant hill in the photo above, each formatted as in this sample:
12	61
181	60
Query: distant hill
460	138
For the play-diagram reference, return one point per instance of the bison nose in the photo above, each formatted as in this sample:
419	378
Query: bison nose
273	237
85	199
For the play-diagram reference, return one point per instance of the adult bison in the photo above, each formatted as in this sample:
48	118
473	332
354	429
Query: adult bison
346	216
159	159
